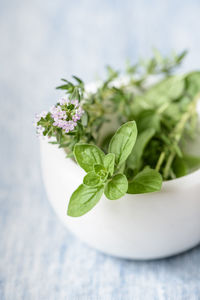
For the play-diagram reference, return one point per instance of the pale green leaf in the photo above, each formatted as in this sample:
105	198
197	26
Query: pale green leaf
87	155
116	187
146	181
109	163
83	199
168	89
91	179
101	171
192	161
193	83
123	141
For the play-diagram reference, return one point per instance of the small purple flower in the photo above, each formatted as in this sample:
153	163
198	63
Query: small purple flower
65	116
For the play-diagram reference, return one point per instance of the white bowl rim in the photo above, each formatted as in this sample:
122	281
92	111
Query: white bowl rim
193	175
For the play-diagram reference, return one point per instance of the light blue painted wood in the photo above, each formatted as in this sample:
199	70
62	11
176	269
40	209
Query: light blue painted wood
41	41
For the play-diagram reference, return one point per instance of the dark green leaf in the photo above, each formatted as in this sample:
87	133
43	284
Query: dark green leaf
181	56
53	143
78	80
142	141
69	82
98	168
148	118
179	167
63	87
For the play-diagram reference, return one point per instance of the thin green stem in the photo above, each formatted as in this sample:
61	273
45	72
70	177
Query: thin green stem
160	161
163	108
178	132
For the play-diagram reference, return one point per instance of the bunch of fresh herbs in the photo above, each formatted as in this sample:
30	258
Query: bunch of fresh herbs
152	113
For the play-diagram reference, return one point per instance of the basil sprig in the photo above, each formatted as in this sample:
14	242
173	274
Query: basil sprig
105	172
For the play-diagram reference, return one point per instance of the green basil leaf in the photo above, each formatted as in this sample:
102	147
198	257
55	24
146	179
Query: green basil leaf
116	187
179	167
169	89
109	163
192	161
98	168
172	111
148	118
146	181
123	141
83	199
136	154
101	172
91	179
87	155
193	83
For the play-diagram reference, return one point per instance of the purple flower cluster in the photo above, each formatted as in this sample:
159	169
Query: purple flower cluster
66	114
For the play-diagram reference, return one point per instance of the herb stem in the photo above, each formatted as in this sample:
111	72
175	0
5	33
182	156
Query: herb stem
162	108
163	154
160	161
178	131
168	165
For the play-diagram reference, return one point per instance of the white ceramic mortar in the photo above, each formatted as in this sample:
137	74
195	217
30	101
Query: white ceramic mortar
145	226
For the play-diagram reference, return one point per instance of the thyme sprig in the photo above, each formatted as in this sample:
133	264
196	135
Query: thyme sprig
162	104
127	134
175	136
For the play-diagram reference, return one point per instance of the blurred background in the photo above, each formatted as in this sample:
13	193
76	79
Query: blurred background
41	42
